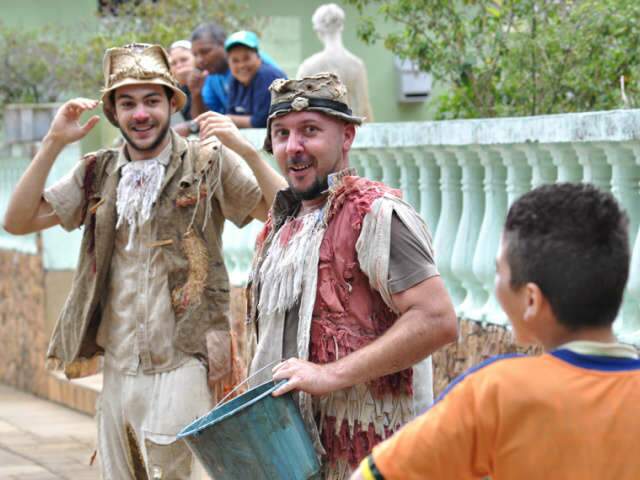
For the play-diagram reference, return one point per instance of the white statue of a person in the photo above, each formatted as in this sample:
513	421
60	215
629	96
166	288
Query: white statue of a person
328	23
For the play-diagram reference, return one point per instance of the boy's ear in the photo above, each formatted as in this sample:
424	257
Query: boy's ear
535	302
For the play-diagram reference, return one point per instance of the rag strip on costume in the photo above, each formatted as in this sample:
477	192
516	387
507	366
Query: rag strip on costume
284	278
281	273
138	190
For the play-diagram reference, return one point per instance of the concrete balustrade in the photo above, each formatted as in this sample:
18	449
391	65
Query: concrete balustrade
462	176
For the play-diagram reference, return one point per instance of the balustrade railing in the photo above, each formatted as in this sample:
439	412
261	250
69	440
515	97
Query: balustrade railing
462	176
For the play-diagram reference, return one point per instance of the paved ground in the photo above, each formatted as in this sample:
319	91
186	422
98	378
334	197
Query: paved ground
43	440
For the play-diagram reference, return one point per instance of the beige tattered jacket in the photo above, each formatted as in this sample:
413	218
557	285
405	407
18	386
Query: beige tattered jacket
197	277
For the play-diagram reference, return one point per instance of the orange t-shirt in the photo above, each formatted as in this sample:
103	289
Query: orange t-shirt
561	415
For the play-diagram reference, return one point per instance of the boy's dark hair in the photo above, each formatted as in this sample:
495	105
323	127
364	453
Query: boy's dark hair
572	241
212	31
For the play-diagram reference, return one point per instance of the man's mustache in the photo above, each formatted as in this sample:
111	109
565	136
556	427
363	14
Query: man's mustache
298	160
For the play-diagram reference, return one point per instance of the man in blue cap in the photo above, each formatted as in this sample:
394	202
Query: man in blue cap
249	96
209	83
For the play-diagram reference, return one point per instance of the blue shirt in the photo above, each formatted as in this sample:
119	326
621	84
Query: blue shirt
254	99
215	91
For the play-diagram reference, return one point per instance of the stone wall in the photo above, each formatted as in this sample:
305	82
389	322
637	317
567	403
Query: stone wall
23	334
30	300
476	342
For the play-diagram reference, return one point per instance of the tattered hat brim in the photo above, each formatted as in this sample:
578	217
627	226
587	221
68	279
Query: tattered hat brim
109	108
327	111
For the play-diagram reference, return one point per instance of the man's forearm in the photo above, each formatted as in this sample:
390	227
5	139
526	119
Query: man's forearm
227	132
197	104
24	203
241	121
269	180
410	339
428	323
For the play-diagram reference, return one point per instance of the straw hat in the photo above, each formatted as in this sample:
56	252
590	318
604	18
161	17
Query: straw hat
323	92
136	64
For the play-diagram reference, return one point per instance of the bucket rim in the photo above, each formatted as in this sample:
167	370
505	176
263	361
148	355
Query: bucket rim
190	429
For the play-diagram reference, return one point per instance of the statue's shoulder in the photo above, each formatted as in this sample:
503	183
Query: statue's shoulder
318	62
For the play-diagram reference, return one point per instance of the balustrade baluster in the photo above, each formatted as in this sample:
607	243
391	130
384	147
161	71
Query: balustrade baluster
468	230
370	164
429	186
355	161
448	223
484	259
566	161
387	163
595	168
408	177
542	169
518	172
631	316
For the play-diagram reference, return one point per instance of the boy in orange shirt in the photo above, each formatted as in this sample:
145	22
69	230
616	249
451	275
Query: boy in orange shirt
571	413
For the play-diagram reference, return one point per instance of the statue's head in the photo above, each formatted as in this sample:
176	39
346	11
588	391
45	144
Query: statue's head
328	19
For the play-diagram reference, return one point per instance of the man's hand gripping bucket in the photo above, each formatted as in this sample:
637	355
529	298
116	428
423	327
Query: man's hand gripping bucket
254	436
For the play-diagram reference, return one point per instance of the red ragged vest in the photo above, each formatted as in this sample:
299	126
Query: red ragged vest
348	314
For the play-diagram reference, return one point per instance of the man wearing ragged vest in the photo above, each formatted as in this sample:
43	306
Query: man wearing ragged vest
344	284
151	291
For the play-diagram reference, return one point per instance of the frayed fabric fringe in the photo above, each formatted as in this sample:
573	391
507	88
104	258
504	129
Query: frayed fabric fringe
281	275
352	421
138	190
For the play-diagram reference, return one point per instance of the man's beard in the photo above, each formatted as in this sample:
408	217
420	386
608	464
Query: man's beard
159	139
319	186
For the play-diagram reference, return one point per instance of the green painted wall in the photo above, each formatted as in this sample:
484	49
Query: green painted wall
38	13
287	35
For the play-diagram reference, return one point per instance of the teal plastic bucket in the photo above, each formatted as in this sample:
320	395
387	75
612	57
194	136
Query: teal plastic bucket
254	436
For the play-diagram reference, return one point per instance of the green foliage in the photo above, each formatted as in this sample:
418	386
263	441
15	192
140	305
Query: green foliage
43	65
28	75
516	57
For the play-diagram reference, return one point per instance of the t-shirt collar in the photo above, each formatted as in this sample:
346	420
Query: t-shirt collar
605	349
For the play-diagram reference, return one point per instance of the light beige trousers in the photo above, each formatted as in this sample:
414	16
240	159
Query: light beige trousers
139	417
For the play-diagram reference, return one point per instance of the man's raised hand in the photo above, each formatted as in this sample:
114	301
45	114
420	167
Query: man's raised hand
66	127
221	126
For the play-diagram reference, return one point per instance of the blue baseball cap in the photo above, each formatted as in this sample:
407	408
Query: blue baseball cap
244	38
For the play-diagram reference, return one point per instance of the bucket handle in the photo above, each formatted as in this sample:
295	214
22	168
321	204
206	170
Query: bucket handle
270	364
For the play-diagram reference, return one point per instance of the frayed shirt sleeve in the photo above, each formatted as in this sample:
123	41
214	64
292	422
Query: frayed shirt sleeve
238	192
375	252
67	198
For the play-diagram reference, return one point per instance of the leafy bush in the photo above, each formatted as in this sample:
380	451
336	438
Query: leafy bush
29	66
43	65
516	57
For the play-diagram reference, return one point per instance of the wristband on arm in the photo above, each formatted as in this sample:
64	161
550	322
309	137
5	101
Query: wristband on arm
370	470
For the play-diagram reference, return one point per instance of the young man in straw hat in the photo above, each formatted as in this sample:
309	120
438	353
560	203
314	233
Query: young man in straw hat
344	282
151	291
